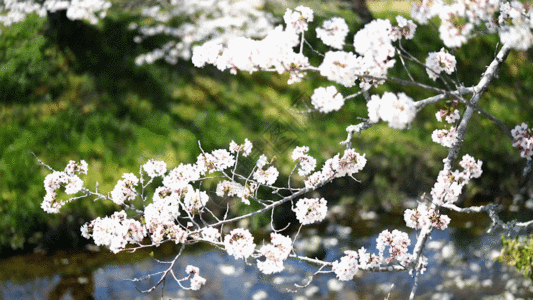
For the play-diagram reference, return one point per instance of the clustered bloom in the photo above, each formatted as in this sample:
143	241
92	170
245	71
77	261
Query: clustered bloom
275	254
450	184
194	200
201	20
56	180
340	67
246	148
327	99
333	32
451	116
298	19
523	140
124	189
445	137
438	62
309	211
399	110
267	176
350	163
90	10
239	243
397	241
114	232
210	234
196	281
405	28
424	216
306	162
155	168
347	267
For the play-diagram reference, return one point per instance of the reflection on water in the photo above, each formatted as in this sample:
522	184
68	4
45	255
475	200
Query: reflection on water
457	270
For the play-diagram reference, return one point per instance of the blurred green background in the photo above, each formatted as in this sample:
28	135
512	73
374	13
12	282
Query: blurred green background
73	92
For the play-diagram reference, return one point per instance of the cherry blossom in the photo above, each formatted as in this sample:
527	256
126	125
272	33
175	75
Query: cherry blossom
309	211
239	243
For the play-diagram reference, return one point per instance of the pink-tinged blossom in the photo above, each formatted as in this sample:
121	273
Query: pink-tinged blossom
155	168
246	147
405	28
178	178
398	243
438	62
249	191
327	99
306	162
115	231
347	267
523	140
398	110
194	200
350	163
230	188
196	281
445	137
514	29
223	159
275	254
453	116
124	189
309	211
239	243
472	169
74	167
333	32
340	67
211	234
267	177
424	216
298	19
50	204
449	186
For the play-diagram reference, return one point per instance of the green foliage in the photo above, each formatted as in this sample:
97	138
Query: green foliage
519	254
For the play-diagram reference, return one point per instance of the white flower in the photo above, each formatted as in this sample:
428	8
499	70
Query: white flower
239	243
341	67
298	19
347	267
309	211
155	168
327	99
399	110
333	32
211	234
267	177
446	138
195	200
438	62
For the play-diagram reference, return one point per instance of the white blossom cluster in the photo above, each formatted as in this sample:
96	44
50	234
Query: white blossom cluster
424	216
114	232
397	109
275	253
211	234
523	140
309	211
450	184
398	243
239	243
161	215
298	19
217	21
196	281
125	189
341	67
306	162
246	147
268	176
67	179
406	28
459	20
155	168
350	163
327	99
438	62
333	32
14	11
446	137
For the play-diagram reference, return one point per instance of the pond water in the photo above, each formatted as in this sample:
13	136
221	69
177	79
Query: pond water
461	267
